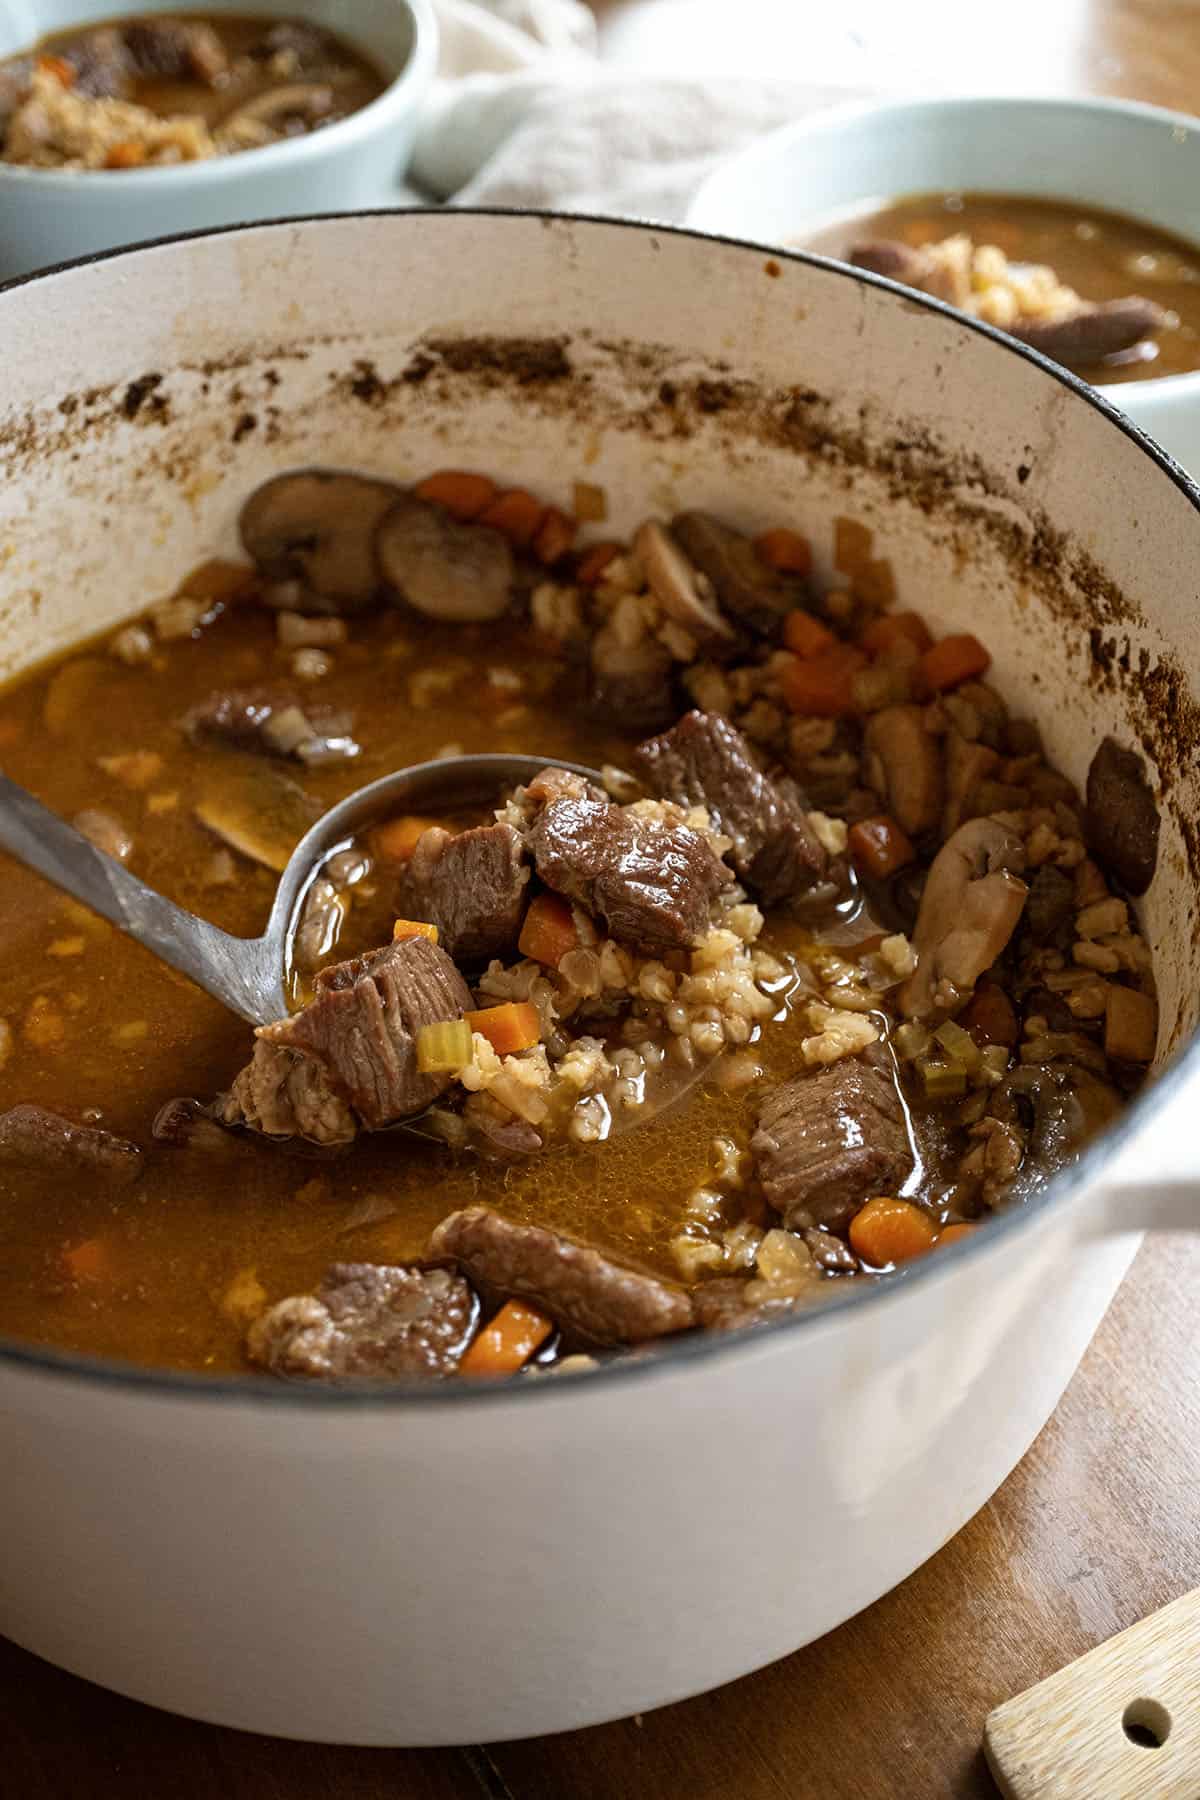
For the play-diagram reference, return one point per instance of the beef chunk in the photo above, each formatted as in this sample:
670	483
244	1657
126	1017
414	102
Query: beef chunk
652	883
368	1322
704	761
750	592
286	1094
630	686
827	1142
721	1305
472	885
175	50
585	1292
102	64
273	723
1051	904
362	1026
1121	822
33	1138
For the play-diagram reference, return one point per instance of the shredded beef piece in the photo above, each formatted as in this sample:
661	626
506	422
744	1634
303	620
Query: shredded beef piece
704	761
368	1322
472	885
827	1142
585	1292
286	1094
362	1026
653	884
38	1139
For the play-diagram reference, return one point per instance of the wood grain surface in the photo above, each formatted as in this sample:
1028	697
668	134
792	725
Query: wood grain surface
1098	1525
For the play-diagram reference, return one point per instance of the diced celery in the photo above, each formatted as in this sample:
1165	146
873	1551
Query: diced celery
444	1047
943	1081
910	1041
958	1044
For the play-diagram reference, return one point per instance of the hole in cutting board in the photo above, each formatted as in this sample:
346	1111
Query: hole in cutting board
1146	1722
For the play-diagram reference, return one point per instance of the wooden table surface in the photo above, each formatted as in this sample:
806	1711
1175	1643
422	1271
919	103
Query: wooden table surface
1098	1525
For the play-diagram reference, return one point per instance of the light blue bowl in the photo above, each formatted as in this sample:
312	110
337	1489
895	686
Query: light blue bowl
1139	160
48	215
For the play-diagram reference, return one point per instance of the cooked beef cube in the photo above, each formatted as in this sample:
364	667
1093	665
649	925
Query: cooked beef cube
1051	904
272	723
472	885
584	1292
721	1305
561	784
188	1125
176	50
652	883
362	1026
286	1094
631	686
368	1322
1121	822
33	1138
827	1142
830	1254
704	761
749	591
102	64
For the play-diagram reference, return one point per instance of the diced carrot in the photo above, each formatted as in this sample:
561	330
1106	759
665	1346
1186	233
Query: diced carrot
506	1342
396	839
63	71
954	659
851	545
822	686
126	155
875	582
806	636
590	503
515	1025
990	1017
954	1234
406	928
593	561
879	847
555	535
87	1261
888	1231
462	494
785	550
549	930
517	514
883	634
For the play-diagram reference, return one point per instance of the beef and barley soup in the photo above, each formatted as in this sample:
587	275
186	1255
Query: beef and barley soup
150	91
827	965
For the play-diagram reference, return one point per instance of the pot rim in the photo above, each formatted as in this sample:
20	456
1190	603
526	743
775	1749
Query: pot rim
701	1348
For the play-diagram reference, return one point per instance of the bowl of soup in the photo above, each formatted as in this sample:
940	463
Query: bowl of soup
1071	223
118	124
682	1180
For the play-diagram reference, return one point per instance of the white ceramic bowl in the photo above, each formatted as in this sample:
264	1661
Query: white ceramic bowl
48	216
1140	160
454	1564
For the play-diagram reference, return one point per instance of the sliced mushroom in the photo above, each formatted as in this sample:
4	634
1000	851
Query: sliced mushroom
684	594
746	589
1122	821
1094	332
902	762
441	567
968	763
314	531
972	900
1061	1106
631	685
257	810
308	101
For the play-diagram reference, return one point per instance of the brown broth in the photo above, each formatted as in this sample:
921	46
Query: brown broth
1102	255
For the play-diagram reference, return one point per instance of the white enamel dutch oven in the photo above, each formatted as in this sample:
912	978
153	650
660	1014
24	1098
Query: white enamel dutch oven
455	1564
47	215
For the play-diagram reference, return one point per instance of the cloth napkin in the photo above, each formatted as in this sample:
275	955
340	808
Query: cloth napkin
523	115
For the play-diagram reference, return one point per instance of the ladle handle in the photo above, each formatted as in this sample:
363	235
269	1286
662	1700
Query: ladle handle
239	972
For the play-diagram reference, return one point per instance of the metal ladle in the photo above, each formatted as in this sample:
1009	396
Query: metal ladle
248	975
